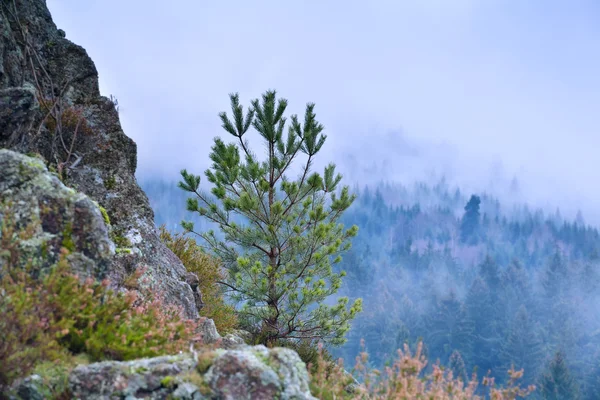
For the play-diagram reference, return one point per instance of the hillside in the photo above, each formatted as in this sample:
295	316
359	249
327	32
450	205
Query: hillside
515	287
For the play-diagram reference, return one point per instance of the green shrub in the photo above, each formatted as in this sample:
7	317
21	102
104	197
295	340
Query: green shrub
27	332
25	326
107	325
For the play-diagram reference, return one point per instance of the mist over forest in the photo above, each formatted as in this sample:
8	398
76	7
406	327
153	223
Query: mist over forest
484	282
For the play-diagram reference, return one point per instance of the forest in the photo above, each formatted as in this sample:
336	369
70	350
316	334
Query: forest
484	286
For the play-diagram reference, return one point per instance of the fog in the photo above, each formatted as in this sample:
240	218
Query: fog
477	91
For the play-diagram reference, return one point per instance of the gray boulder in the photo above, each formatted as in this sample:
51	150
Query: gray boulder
253	373
208	331
259	373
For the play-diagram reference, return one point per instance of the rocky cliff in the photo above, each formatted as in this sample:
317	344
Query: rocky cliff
50	105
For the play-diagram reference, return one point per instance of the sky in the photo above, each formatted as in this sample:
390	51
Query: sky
479	91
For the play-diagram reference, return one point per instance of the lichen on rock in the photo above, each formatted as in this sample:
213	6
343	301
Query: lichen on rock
59	216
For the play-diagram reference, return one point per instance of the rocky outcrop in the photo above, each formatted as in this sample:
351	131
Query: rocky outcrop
50	104
208	331
51	216
251	373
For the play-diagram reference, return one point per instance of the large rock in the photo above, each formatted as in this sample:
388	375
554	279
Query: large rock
53	216
252	373
103	161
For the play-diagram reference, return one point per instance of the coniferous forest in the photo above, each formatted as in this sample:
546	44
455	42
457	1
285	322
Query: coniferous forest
484	285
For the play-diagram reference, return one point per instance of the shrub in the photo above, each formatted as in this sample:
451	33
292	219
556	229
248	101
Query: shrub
56	315
406	379
27	333
207	268
108	325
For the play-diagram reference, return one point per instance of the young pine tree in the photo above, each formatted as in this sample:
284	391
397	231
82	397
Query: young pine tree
280	247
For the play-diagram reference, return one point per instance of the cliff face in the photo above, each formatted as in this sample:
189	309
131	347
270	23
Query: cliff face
50	104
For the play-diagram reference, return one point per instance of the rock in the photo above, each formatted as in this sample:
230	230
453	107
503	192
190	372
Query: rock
253	373
54	215
208	331
18	110
242	334
187	391
259	373
231	341
33	388
152	378
192	280
104	159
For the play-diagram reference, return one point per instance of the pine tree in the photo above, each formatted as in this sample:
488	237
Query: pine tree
457	366
556	382
281	235
490	273
483	312
523	347
555	279
449	329
469	227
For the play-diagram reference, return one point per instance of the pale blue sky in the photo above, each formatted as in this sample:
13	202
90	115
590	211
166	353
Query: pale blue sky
477	90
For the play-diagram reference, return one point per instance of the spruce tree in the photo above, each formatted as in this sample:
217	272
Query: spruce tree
281	236
523	347
490	273
469	227
556	382
457	366
555	279
483	312
449	328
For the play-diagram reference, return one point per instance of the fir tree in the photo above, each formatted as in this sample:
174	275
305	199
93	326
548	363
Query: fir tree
523	347
556	277
469	227
490	273
281	235
556	382
449	329
483	312
457	366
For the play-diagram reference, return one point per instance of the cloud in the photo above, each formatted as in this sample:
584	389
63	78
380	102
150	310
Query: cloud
468	83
